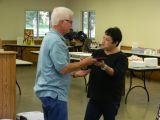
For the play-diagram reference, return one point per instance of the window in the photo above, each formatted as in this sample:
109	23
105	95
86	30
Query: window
38	21
88	23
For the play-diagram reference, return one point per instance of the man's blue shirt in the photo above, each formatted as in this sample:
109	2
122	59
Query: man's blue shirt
53	57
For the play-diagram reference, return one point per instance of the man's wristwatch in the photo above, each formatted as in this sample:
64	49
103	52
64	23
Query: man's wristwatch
105	67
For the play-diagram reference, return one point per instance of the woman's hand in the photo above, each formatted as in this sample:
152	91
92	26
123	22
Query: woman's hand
100	64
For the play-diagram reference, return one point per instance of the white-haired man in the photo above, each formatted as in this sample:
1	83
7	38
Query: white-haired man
54	69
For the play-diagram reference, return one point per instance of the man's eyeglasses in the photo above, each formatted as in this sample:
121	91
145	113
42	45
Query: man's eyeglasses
69	21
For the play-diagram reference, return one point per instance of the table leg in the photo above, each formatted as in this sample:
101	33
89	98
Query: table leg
144	81
131	88
21	53
86	84
19	88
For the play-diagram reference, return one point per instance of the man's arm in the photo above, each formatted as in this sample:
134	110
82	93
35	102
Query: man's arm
77	65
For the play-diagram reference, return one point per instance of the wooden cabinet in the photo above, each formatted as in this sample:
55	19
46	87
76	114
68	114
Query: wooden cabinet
7	85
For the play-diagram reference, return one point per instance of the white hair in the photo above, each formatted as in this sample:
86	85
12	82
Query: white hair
60	13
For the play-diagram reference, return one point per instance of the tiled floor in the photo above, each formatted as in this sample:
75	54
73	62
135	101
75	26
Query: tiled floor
137	107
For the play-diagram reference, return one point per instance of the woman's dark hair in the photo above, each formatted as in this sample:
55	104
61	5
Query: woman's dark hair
115	33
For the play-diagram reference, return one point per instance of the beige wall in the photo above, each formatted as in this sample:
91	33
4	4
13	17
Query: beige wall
139	20
12	15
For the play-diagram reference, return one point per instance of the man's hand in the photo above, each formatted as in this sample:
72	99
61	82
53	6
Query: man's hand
88	61
81	73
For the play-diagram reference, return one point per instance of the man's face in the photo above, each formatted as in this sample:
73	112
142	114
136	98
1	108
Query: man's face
107	43
67	25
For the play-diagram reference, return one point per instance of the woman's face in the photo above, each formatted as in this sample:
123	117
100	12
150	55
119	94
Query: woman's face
107	43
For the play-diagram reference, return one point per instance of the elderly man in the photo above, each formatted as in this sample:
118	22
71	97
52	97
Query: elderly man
54	69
